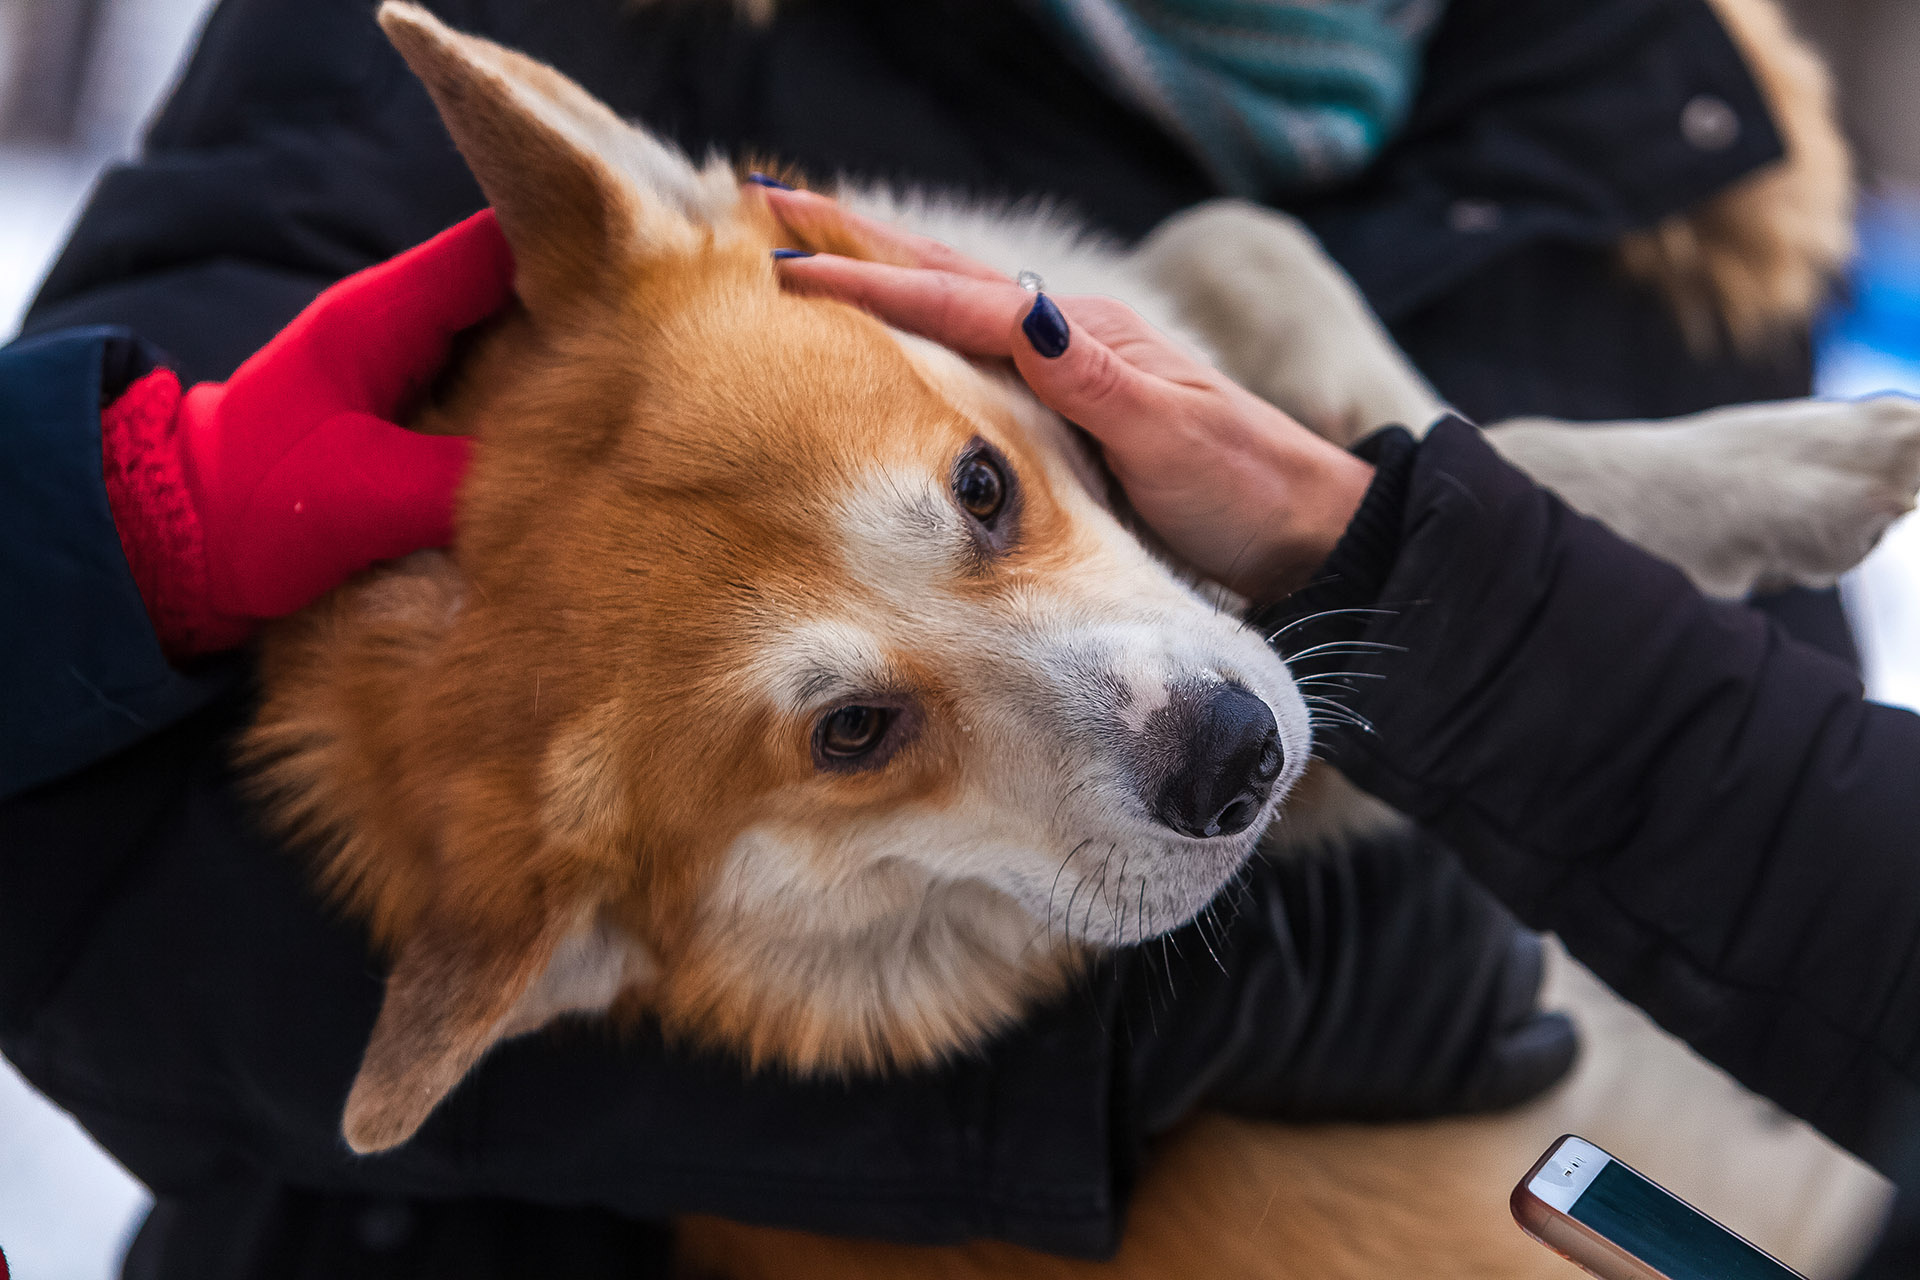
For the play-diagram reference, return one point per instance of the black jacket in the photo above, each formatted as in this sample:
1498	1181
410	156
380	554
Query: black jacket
1708	812
297	148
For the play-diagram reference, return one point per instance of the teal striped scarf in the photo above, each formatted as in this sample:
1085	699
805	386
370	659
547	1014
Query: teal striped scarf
1271	96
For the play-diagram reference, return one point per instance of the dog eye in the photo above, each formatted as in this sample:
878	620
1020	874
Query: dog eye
980	487
852	732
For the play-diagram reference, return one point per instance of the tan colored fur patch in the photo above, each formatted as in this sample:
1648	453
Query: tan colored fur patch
562	763
507	765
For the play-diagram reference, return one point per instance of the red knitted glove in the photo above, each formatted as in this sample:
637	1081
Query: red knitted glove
244	500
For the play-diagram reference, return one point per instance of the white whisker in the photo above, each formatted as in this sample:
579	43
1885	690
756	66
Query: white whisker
1327	613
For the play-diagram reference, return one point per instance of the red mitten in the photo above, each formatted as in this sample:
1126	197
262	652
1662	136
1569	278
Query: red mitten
244	500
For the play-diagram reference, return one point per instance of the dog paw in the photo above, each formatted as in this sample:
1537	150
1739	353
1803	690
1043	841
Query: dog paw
1753	498
1285	321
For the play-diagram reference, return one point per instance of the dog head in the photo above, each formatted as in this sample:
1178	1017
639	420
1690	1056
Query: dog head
788	677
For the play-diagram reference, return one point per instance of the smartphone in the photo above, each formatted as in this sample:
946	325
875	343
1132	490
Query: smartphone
1617	1224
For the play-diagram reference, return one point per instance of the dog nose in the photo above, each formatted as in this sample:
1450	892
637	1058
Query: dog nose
1231	756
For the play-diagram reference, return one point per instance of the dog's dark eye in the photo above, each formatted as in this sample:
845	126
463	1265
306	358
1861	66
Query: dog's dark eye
988	490
981	488
852	732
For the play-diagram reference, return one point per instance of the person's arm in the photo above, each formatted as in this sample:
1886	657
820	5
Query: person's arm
144	526
85	673
1711	815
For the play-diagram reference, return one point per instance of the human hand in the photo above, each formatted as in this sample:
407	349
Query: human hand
1235	487
245	500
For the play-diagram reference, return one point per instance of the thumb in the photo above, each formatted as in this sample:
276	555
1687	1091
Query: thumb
1083	379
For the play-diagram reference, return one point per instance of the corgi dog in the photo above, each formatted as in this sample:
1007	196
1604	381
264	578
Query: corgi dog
793	682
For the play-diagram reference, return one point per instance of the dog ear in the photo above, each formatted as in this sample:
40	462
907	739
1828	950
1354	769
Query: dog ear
454	992
576	188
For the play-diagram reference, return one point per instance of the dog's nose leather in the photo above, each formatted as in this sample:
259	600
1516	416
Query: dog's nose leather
1229	754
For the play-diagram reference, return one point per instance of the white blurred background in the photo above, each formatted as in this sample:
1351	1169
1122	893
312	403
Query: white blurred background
78	78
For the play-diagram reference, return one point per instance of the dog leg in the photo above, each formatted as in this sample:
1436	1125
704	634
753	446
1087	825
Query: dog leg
1746	499
1742	499
1285	321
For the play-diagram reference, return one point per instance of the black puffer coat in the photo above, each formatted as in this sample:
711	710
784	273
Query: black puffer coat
297	149
1706	811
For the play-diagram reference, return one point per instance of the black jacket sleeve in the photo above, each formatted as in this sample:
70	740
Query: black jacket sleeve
1710	814
84	674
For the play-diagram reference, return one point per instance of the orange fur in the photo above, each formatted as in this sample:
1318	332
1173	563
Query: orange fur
1224	1199
549	723
547	743
1232	1199
617	532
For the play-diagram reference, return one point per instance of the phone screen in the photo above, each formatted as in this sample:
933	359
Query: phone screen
1664	1231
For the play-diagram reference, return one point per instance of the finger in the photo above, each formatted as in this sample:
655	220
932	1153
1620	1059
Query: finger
403	482
812	216
1082	378
392	324
365	491
970	315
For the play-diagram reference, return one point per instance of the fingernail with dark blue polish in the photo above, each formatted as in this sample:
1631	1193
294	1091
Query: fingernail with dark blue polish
765	181
1045	327
781	255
